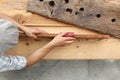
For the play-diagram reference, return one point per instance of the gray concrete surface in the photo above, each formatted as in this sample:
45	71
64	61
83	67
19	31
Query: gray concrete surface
67	70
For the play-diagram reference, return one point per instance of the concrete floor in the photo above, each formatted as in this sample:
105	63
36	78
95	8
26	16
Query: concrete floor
67	70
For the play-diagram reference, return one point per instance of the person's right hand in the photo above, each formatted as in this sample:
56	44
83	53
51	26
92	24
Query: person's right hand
60	40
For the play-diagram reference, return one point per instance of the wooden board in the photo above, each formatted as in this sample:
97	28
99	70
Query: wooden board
80	49
98	15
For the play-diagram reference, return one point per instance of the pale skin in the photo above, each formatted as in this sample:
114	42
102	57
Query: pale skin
39	54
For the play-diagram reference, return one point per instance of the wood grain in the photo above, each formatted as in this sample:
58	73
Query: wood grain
80	49
99	15
78	36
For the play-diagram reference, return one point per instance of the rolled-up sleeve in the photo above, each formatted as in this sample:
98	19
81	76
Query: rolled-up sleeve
8	63
8	39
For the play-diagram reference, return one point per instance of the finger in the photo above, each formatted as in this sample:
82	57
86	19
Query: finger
42	31
33	36
36	32
21	32
69	34
62	33
69	38
69	42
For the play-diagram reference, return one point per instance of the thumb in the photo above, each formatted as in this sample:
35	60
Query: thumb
63	33
33	36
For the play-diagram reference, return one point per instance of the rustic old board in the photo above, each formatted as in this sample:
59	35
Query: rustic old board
98	15
80	49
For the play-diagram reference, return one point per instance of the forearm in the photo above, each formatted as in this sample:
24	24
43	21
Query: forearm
19	26
39	54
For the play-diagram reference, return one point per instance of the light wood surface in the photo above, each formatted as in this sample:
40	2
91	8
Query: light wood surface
80	49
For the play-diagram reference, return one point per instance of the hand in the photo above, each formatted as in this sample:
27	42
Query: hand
33	32
60	40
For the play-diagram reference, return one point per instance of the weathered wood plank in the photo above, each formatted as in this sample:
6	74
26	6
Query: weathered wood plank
98	15
20	13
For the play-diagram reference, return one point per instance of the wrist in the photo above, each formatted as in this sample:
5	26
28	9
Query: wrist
51	44
23	28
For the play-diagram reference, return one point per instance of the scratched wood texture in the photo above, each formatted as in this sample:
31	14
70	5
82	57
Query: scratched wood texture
98	15
80	49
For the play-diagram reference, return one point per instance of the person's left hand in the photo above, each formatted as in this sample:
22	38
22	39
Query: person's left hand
33	32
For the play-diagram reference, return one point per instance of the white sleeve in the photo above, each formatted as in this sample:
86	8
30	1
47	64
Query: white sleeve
8	63
9	35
